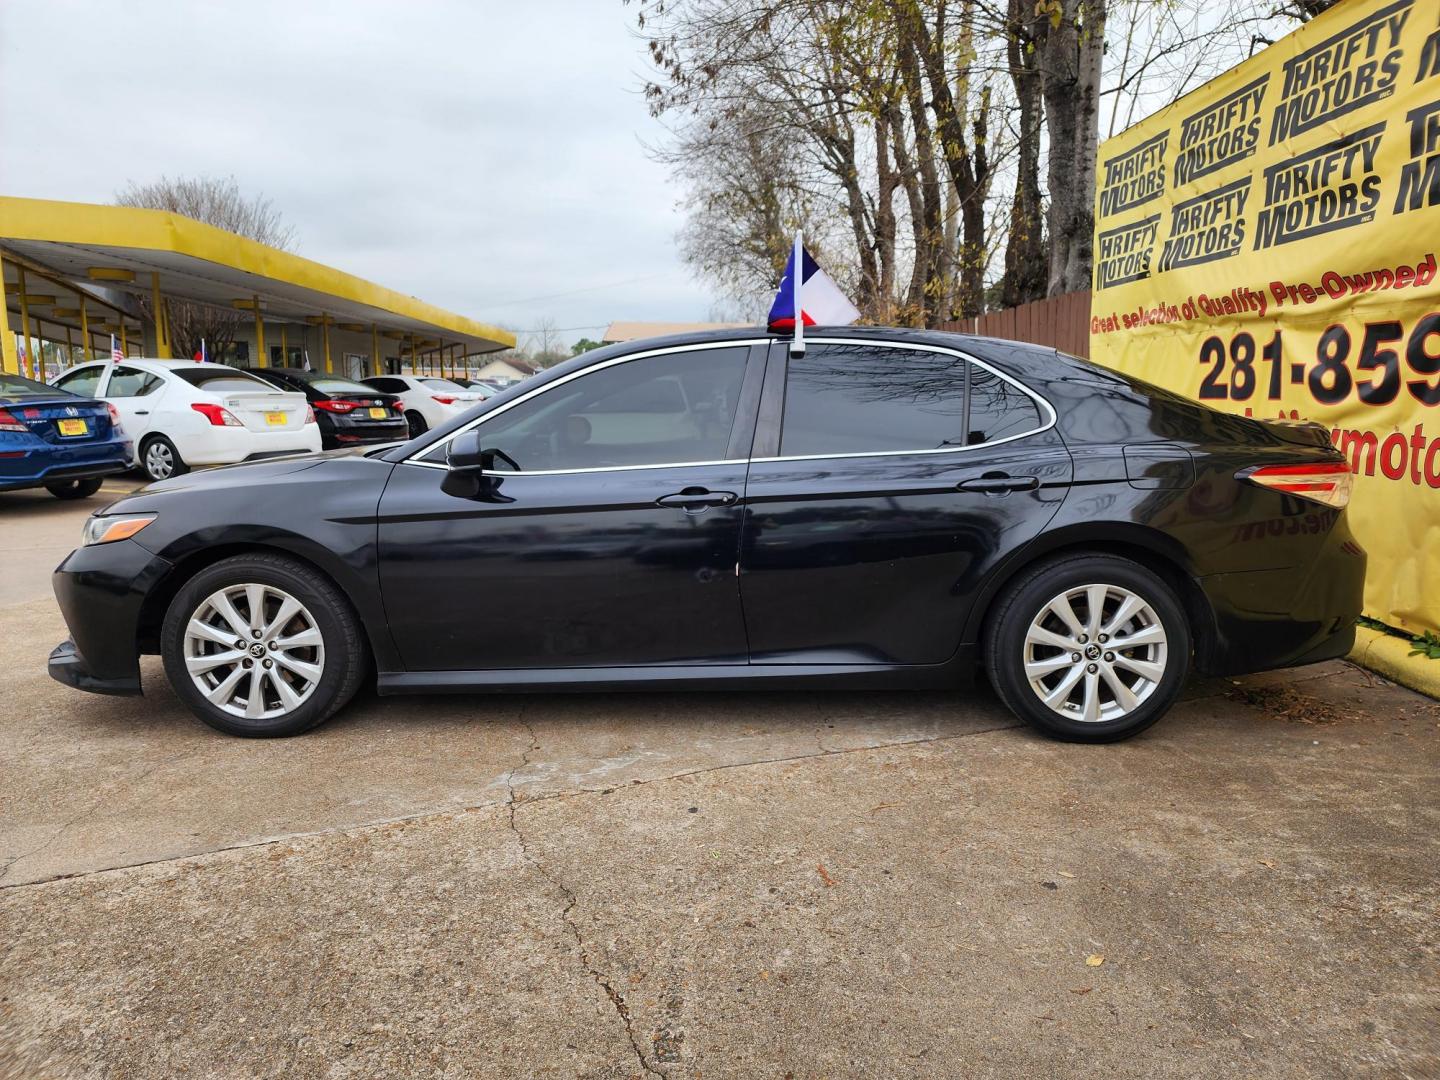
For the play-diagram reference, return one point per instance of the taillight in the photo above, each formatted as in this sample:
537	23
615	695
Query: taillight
444	400
115	418
309	415
1327	482
331	405
216	414
9	423
398	405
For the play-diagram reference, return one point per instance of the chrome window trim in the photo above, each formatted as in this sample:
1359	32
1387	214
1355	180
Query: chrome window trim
1047	409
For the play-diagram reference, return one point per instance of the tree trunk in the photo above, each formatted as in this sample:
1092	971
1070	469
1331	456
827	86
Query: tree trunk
1071	50
1026	264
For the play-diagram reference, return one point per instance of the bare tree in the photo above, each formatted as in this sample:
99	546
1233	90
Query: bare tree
219	202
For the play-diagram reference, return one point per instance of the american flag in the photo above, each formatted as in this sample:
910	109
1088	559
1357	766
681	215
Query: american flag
115	354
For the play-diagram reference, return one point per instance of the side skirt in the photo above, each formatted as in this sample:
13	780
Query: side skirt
953	673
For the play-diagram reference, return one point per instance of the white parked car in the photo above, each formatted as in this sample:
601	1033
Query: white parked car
181	413
429	401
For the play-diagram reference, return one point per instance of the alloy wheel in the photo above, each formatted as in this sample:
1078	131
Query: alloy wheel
1095	653
254	651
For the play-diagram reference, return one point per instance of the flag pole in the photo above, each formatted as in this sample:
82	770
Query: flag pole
797	263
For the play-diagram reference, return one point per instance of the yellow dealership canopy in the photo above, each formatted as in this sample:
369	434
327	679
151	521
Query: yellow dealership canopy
86	246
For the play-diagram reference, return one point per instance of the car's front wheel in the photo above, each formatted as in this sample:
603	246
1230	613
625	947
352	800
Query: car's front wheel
74	489
159	459
261	645
1088	648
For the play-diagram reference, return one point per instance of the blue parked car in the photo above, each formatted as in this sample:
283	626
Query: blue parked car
60	441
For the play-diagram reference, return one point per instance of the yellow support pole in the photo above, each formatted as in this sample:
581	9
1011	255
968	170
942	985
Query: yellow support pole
162	329
284	346
375	350
414	358
35	370
86	344
124	339
325	329
69	346
261	356
9	355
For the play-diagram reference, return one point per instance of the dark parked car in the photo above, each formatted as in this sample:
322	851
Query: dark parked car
57	440
891	509
349	413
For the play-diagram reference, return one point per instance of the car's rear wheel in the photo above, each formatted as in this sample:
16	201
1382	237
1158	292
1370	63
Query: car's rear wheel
159	459
1088	648
262	646
416	422
75	489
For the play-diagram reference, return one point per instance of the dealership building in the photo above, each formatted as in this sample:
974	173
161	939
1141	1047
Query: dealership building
76	274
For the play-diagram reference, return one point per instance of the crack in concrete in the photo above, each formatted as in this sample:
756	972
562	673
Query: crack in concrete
90	811
419	815
617	1000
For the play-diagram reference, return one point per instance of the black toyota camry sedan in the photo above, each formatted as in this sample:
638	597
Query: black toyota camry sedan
893	508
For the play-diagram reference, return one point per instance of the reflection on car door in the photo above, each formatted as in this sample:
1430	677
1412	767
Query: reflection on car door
879	500
612	546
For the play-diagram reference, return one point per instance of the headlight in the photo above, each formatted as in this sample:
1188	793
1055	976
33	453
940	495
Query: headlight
109	528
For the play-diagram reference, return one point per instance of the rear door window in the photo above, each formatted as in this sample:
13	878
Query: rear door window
132	382
862	398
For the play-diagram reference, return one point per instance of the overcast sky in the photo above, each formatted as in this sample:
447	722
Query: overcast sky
477	155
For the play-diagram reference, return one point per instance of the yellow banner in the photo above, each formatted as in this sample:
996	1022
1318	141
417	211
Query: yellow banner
1269	243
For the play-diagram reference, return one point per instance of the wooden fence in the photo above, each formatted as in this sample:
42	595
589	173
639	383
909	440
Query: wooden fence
1062	322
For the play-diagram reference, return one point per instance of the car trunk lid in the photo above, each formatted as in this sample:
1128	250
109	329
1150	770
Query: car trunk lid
261	411
61	421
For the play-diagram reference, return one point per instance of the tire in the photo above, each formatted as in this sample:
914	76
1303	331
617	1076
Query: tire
417	423
75	489
326	630
159	460
1027	627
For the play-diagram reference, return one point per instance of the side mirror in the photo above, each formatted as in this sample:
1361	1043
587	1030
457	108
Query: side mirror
466	463
465	454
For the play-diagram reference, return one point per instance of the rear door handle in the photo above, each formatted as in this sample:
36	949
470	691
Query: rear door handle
142	412
697	498
999	484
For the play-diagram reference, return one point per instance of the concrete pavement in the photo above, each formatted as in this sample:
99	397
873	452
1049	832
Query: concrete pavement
810	885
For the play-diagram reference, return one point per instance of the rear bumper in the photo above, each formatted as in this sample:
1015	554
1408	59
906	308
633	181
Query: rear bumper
342	430
227	446
49	465
101	590
1288	617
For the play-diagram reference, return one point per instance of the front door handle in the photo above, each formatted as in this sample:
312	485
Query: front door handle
999	484
697	498
142	412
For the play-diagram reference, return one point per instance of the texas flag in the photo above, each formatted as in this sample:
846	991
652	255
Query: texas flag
821	301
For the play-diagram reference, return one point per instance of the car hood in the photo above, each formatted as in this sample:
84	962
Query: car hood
256	474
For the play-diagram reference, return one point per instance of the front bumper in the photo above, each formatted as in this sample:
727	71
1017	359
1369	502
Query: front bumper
68	666
101	591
